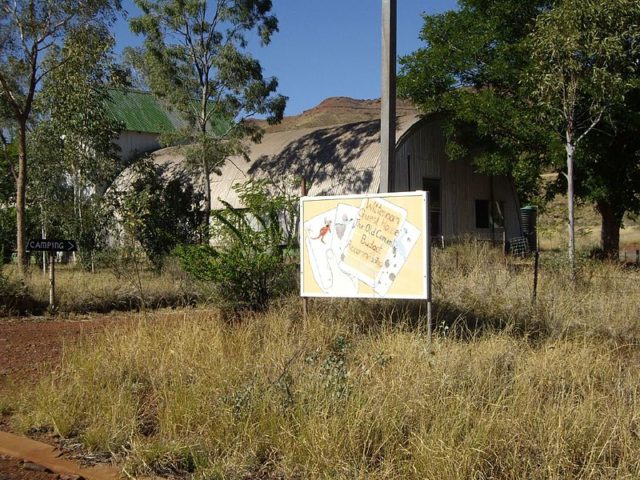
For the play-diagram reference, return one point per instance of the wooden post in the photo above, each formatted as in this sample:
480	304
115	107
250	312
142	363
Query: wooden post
52	282
637	257
504	242
536	257
388	101
305	300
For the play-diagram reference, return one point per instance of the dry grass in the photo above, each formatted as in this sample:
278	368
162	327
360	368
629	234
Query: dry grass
553	234
506	390
80	291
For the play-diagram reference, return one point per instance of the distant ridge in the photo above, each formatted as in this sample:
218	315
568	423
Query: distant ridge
337	111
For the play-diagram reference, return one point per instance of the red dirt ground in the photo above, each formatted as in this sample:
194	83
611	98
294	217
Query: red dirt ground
30	347
11	469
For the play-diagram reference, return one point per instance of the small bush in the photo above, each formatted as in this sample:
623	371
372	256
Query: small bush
15	297
252	264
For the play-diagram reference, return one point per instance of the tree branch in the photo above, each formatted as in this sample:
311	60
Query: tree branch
594	122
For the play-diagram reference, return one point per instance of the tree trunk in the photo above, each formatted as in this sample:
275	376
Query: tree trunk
207	192
571	149
21	190
610	234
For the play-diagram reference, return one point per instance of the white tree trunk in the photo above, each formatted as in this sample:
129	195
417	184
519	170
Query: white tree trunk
571	149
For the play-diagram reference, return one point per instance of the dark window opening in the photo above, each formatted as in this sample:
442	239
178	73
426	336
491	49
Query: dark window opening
432	185
489	214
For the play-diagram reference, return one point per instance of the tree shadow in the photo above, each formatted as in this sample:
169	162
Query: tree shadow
327	158
448	319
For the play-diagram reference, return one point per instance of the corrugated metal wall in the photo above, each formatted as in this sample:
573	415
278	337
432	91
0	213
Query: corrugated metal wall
421	154
133	143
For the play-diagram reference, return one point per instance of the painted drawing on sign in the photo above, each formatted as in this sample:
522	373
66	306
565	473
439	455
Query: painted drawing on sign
350	244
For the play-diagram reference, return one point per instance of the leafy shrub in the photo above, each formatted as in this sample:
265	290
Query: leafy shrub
159	211
252	263
15	297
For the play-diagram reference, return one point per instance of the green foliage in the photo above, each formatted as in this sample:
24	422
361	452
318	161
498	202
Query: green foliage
584	59
73	154
515	78
584	63
30	51
7	194
471	70
158	212
7	233
608	167
251	264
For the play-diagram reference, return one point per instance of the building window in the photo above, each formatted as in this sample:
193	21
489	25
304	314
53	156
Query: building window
489	214
432	185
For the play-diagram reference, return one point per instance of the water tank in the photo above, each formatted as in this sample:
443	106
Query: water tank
528	219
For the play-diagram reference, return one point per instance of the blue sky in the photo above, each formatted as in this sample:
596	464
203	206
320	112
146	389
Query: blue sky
326	48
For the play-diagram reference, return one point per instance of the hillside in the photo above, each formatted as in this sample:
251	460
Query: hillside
336	111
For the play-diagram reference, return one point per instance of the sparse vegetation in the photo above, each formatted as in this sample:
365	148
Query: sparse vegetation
128	285
507	389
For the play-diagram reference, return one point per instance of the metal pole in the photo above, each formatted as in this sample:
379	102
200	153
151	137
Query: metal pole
305	300
388	101
52	282
428	253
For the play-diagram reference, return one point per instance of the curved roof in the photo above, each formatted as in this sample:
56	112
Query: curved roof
335	160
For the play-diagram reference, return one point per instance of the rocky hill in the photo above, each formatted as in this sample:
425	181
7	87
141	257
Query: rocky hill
336	111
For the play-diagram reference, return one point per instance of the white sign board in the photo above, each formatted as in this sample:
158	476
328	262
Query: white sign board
365	246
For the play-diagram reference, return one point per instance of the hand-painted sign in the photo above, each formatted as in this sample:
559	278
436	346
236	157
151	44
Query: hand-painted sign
370	246
46	245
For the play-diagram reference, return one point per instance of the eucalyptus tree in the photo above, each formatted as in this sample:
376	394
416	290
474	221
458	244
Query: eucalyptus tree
195	57
503	72
470	69
30	31
7	182
73	141
585	57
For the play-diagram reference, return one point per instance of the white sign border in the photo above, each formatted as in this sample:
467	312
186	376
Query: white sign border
426	243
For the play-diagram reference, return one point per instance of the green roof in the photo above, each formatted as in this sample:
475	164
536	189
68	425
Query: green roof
142	112
139	111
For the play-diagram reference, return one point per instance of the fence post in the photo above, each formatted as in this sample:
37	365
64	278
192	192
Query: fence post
536	257
637	257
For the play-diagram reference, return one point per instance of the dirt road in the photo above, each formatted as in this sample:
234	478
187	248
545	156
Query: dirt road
30	348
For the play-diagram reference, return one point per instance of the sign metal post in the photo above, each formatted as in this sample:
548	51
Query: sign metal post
52	246
428	257
52	281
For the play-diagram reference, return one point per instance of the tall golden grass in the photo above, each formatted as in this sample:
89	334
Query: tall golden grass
507	388
80	291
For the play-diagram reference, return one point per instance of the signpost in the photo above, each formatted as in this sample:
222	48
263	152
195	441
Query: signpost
52	246
366	246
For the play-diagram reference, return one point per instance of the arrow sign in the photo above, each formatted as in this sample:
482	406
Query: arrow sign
50	245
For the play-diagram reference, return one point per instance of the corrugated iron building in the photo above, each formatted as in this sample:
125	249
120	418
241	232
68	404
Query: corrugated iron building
344	159
144	120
